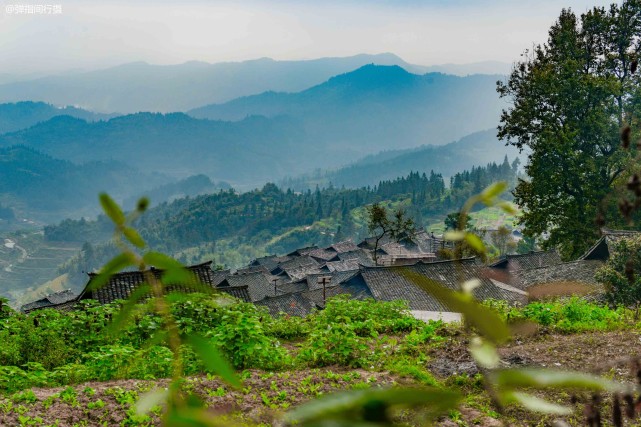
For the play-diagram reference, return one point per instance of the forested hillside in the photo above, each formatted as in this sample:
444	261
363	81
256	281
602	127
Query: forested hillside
40	187
232	228
473	150
249	151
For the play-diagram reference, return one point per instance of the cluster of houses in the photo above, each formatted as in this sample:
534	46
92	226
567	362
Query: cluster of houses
303	280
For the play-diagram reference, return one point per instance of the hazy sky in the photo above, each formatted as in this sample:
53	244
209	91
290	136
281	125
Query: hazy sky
92	34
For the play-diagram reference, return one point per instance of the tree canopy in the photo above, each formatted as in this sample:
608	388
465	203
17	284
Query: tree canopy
570	97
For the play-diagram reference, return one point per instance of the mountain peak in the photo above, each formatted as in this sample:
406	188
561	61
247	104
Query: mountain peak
372	75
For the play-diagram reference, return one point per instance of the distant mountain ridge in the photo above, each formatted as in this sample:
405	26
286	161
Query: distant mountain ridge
378	107
274	135
139	86
49	189
476	149
178	145
22	115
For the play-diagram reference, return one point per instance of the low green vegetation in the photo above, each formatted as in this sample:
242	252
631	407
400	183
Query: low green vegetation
49	348
567	316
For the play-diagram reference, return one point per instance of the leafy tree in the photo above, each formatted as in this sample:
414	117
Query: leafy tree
570	97
526	245
621	274
502	239
395	226
453	220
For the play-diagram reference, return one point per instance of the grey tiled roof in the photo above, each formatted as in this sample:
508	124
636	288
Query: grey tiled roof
270	262
294	263
290	304
600	250
336	278
369	242
529	260
240	292
355	289
428	244
121	285
258	284
388	283
219	276
580	271
363	257
49	301
322	254
347	265
292	287
344	246
395	249
300	272
253	269
302	251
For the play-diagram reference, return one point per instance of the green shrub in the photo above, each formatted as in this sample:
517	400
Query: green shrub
288	327
336	344
241	337
368	317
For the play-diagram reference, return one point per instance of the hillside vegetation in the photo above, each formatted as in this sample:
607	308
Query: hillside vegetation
283	361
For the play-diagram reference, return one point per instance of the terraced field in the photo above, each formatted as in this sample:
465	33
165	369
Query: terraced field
27	262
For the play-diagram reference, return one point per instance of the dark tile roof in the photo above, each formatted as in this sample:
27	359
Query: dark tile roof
240	292
270	262
346	265
600	250
355	289
252	269
121	285
344	246
300	272
292	287
302	251
334	278
363	257
258	284
580	271
291	304
421	241
322	255
395	249
369	242
294	263
219	276
529	260
388	283
50	300
428	243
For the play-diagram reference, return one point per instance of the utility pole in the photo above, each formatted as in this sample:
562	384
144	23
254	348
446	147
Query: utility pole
324	280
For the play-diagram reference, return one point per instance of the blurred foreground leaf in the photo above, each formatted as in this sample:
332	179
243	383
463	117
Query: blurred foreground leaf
150	399
115	265
545	378
112	209
212	359
534	403
486	320
353	405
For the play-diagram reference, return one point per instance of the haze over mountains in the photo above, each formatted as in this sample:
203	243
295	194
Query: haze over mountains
476	149
377	107
363	122
22	115
139	86
266	137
